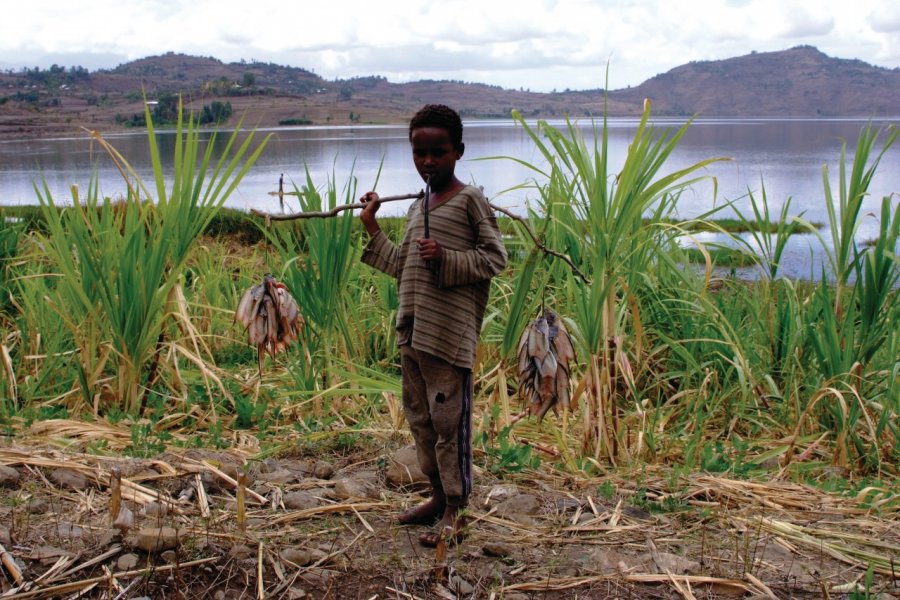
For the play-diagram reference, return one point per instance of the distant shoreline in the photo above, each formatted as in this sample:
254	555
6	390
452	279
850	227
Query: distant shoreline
801	82
17	131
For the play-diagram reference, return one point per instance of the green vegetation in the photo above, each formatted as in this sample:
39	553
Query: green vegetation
123	312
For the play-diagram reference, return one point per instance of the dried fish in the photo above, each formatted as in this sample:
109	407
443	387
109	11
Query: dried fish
271	317
544	355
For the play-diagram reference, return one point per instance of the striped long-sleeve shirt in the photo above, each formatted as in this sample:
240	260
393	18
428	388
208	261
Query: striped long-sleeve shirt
441	310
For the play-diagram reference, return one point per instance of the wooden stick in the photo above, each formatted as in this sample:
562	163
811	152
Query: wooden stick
334	211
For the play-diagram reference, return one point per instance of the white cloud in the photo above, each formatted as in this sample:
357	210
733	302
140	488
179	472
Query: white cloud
537	44
885	18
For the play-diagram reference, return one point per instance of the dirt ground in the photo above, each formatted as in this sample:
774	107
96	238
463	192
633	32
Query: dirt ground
323	527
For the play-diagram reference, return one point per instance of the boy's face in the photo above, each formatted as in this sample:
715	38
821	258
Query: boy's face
435	155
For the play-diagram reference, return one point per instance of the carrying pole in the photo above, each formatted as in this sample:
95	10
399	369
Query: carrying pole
334	211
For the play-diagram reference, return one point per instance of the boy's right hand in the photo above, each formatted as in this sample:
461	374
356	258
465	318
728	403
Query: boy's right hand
367	215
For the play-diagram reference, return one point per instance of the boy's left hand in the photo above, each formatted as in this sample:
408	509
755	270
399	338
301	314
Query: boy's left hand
429	249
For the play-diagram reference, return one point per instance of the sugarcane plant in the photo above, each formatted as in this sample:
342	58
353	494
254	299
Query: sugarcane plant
852	315
118	264
611	223
317	258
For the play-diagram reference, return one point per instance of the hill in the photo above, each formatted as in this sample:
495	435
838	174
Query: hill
800	82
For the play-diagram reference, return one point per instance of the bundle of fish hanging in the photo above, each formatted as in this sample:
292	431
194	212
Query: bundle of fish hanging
270	316
545	351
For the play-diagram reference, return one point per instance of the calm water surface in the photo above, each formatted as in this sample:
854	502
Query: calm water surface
786	156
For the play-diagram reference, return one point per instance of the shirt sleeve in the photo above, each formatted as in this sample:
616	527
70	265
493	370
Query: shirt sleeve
380	253
484	261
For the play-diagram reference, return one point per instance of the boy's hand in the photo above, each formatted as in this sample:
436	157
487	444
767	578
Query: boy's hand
429	249
367	215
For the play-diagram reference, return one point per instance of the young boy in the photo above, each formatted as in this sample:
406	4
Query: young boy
444	279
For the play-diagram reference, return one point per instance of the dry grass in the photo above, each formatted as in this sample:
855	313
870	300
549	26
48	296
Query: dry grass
718	537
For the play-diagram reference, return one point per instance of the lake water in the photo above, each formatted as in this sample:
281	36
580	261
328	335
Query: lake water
786	156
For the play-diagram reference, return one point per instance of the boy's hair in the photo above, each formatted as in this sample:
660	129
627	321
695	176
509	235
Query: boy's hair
441	116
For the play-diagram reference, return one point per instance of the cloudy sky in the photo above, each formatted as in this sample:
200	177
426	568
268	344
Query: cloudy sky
534	44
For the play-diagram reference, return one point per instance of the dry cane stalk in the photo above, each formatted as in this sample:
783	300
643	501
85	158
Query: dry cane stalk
260	588
8	562
241	510
202	499
440	556
115	493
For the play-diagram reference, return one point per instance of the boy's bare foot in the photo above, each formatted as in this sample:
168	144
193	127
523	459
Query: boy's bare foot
452	528
424	514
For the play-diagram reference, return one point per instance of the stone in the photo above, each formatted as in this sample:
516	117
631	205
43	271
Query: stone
500	493
157	539
127	562
69	531
9	477
678	565
603	561
323	470
242	552
155	509
300	500
48	554
68	478
298	556
319	577
279	477
585	517
124	520
37	506
633	512
403	469
496	549
361	485
169	556
564	505
109	537
5	538
521	504
460	586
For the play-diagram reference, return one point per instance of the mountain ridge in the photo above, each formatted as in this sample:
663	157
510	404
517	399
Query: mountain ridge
798	82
